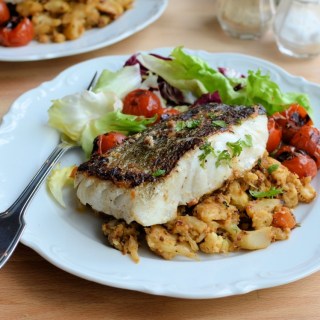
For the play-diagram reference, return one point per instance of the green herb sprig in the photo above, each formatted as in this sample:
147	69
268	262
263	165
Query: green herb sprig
237	147
189	124
272	192
159	173
223	157
272	168
219	123
206	150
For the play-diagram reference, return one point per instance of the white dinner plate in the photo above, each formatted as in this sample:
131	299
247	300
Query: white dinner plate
72	240
142	14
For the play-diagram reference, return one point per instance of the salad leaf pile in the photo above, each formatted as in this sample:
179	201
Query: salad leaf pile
179	80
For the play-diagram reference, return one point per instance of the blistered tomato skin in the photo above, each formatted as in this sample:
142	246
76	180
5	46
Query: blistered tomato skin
142	102
302	165
291	120
275	135
108	141
308	140
4	13
17	35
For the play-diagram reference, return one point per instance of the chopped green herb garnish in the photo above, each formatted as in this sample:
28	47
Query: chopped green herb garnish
159	173
206	150
219	123
223	156
272	192
214	116
190	124
248	141
180	125
237	147
273	168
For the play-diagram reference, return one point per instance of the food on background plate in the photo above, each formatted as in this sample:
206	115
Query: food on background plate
178	155
55	20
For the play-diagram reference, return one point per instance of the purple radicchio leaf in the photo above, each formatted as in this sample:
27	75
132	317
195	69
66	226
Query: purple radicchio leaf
207	98
172	95
134	60
231	73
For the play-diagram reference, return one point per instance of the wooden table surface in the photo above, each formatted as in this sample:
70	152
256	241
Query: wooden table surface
32	288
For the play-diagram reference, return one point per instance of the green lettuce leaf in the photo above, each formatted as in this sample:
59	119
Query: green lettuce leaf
190	74
194	76
120	82
261	89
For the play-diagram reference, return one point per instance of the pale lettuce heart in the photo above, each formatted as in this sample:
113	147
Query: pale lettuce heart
58	179
73	113
120	82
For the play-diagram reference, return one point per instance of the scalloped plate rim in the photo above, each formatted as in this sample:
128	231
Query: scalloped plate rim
121	280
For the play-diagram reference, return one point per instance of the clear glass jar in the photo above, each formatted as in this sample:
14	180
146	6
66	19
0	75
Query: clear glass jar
297	28
245	19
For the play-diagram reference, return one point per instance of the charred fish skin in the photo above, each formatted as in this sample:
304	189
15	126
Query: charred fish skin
173	163
153	154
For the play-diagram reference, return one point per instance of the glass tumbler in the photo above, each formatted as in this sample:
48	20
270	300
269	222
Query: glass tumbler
245	19
297	28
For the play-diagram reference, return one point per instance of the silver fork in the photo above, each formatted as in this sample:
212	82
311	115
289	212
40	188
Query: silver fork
12	220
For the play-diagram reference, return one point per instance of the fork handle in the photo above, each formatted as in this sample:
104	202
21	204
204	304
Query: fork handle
27	194
12	222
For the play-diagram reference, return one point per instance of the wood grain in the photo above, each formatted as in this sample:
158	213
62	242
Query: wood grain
32	288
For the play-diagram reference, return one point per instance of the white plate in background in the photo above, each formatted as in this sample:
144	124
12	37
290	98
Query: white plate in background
141	15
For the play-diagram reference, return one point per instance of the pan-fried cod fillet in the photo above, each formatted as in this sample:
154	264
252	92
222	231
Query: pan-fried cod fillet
174	162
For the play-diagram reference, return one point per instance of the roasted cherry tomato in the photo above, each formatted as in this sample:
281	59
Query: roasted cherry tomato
166	113
4	12
308	139
170	112
302	165
285	152
291	120
297	162
275	135
105	142
142	102
16	33
284	219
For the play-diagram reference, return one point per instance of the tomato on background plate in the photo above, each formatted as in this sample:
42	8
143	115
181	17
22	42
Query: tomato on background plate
4	12
16	33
